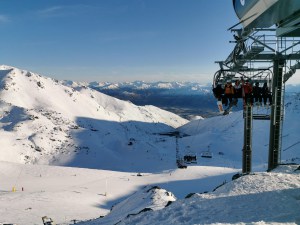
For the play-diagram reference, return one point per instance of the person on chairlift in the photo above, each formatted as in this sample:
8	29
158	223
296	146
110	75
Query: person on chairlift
247	93
237	90
266	94
229	91
218	92
257	94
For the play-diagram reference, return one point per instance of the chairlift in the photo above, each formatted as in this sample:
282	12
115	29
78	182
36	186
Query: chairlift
260	76
206	154
180	164
190	158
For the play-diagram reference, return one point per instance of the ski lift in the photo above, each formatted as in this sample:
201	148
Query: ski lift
207	154
190	158
180	164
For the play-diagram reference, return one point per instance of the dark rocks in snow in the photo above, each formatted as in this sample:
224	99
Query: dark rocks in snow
6	87
190	195
40	84
220	185
74	127
28	74
93	129
236	176
169	203
143	210
153	188
38	149
131	141
32	117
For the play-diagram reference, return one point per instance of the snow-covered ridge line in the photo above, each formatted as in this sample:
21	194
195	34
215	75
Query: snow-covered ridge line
45	121
182	87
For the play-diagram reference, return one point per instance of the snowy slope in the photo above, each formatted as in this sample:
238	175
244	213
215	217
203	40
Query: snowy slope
66	194
149	198
46	122
29	90
223	136
262	198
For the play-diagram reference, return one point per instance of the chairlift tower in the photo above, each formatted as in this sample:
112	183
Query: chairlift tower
267	49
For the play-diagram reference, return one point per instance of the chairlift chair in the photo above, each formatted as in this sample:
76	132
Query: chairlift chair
190	158
206	154
180	164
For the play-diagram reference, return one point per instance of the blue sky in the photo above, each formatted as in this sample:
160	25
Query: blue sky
117	40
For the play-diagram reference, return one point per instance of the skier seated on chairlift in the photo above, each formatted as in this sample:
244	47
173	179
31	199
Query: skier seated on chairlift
266	94
237	90
247	92
257	94
229	92
219	93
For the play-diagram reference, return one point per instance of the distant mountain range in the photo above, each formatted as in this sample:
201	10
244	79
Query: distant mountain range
187	99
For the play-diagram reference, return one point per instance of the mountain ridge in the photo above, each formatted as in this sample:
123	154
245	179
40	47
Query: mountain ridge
51	123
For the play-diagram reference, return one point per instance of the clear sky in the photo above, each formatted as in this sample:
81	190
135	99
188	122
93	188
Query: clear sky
117	40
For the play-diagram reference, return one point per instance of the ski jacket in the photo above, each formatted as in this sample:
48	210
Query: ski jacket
237	90
218	91
257	90
237	86
265	90
247	88
229	89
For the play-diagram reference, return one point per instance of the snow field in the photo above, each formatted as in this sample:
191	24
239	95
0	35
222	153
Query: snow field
43	122
65	193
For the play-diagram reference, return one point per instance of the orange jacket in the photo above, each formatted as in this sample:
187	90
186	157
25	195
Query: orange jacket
247	88
229	89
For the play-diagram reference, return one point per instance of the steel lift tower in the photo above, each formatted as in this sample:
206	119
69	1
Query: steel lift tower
267	50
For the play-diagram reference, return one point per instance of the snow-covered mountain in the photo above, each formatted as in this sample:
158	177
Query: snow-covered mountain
187	99
46	122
